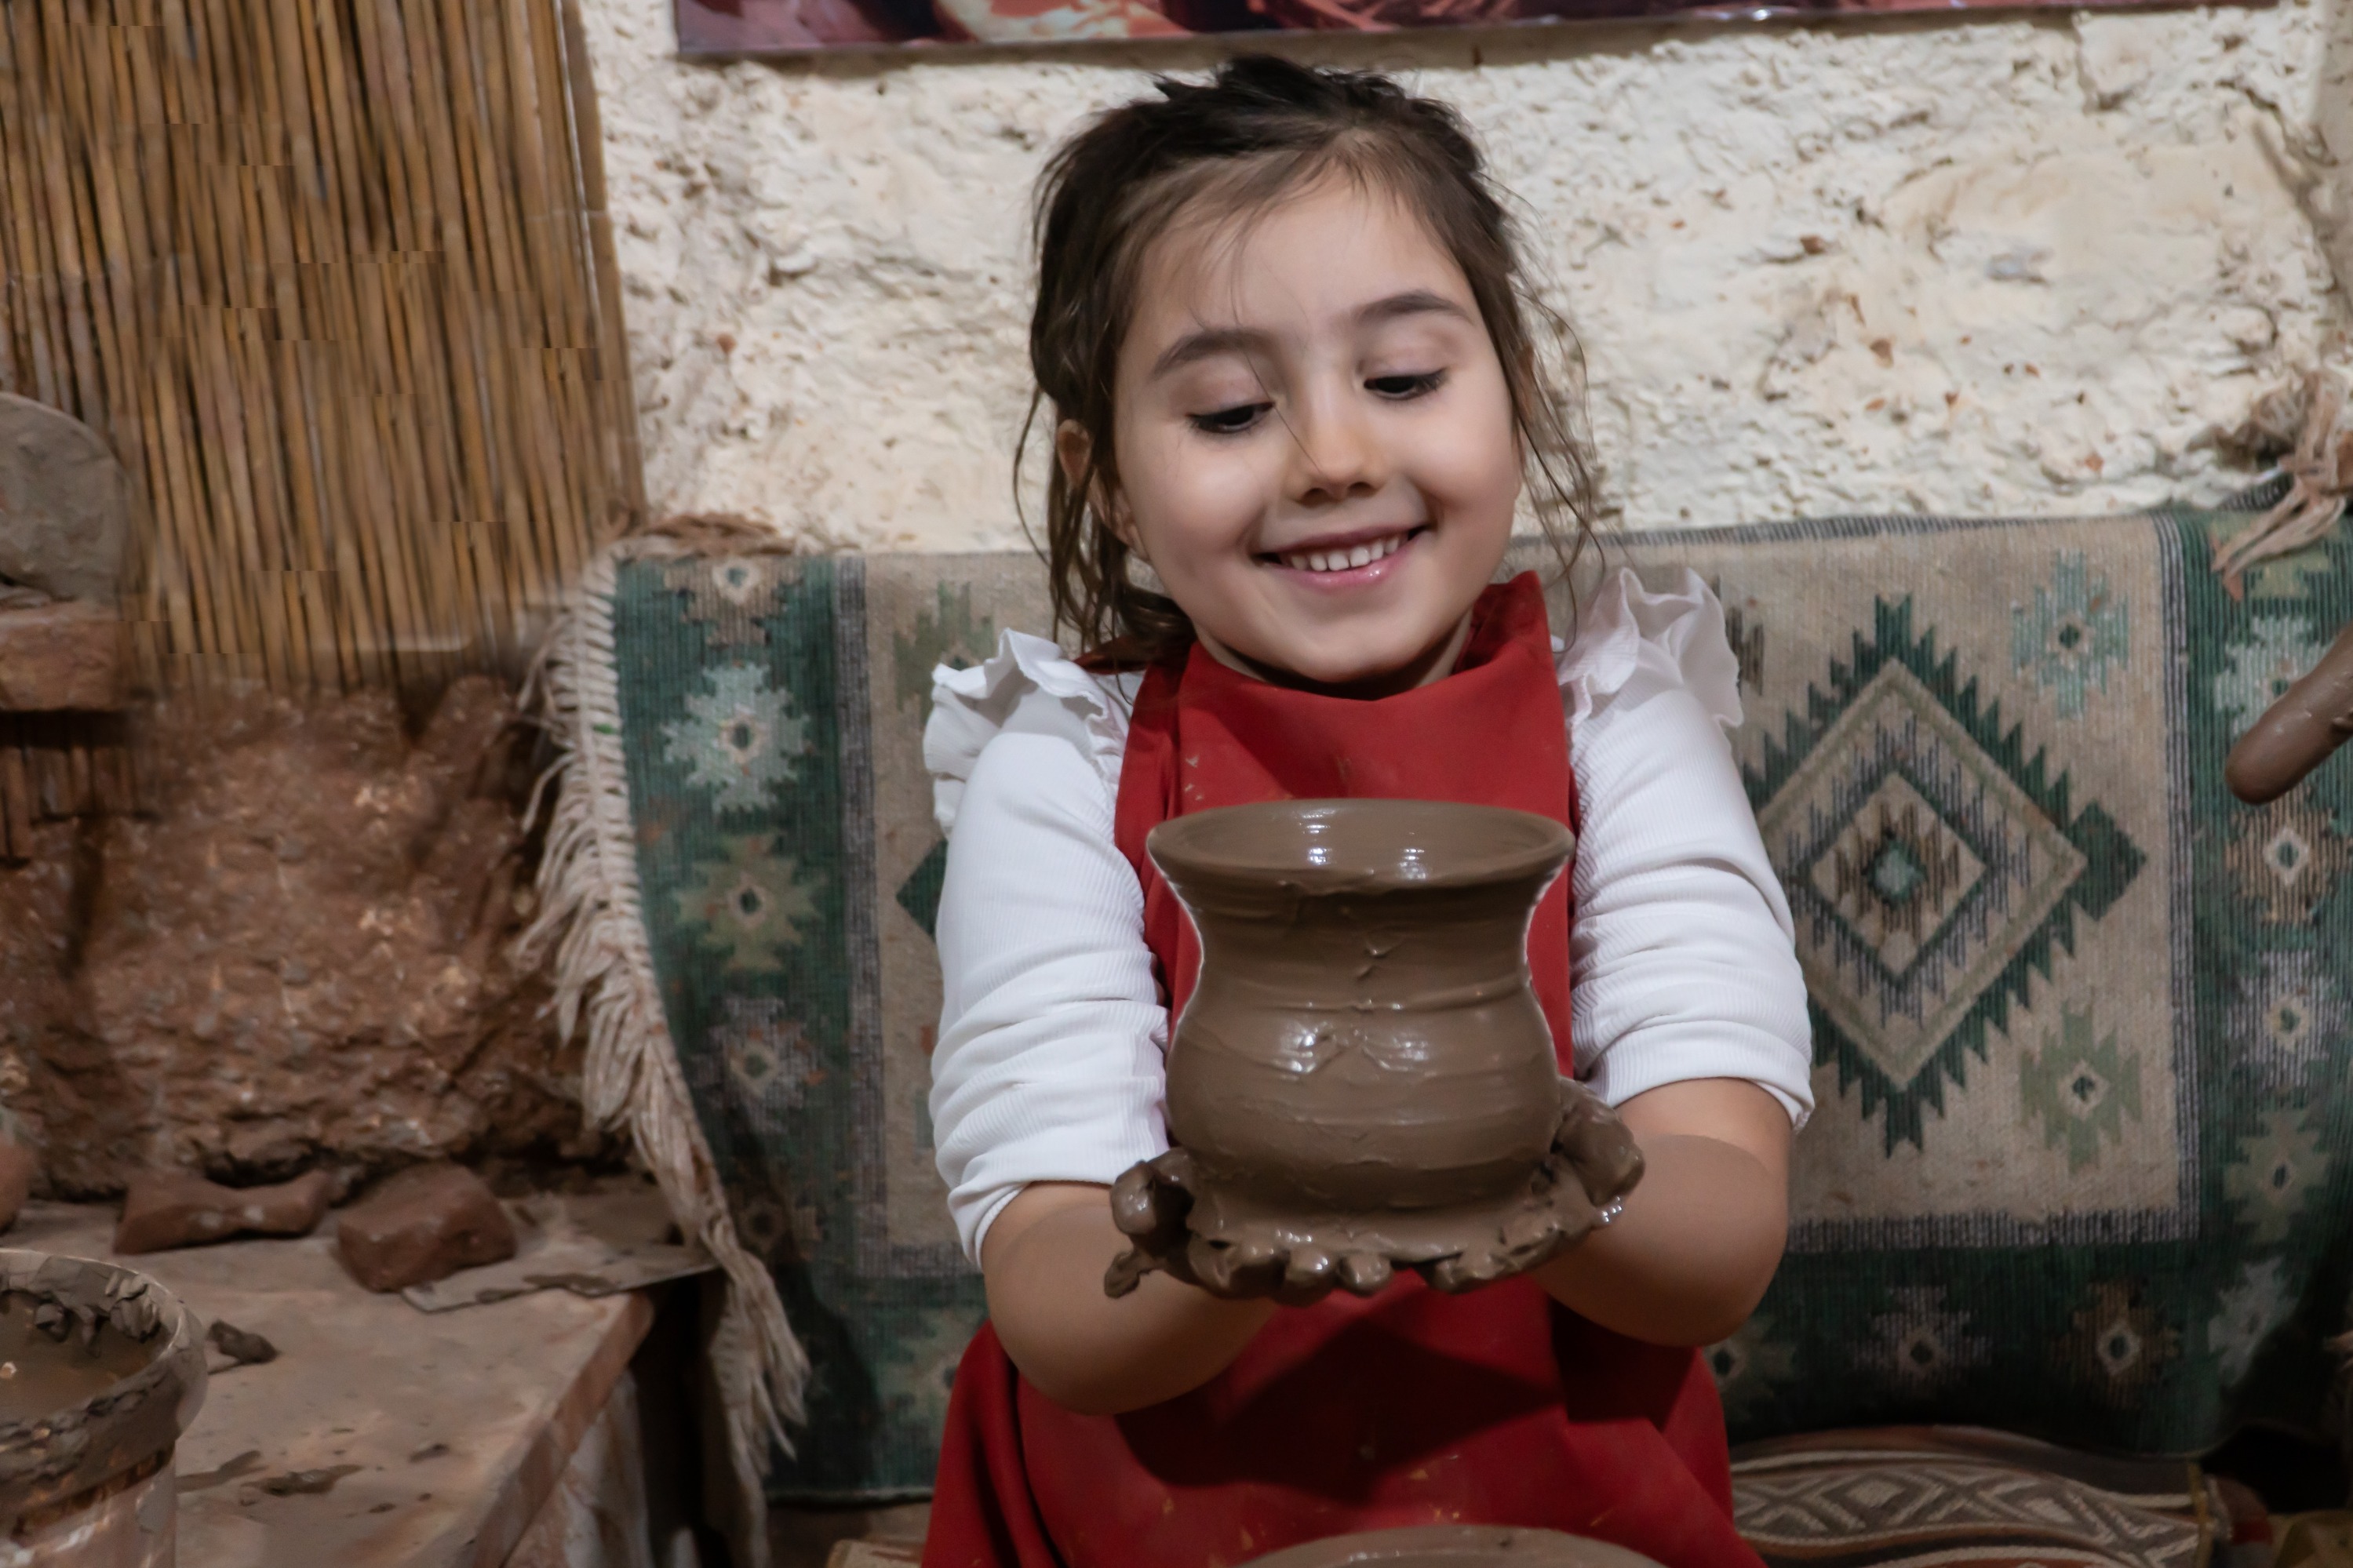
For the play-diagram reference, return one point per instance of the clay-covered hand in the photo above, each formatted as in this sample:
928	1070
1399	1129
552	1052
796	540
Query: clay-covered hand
1150	1203
1593	1163
1597	1145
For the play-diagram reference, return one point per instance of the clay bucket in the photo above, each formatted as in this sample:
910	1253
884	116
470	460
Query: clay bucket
101	1369
1363	1037
1456	1546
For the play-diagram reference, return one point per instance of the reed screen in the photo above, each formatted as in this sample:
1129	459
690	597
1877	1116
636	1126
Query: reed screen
335	277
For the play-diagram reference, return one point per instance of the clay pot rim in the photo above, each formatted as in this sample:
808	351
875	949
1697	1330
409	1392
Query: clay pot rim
1455	1545
1370	844
52	1458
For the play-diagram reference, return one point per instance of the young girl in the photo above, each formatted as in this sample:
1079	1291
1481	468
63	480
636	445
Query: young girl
1280	325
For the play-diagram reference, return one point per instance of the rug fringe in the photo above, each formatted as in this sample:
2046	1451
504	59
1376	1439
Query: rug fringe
2321	473
589	913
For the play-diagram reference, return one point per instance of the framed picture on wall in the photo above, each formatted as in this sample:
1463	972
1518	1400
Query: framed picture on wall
769	26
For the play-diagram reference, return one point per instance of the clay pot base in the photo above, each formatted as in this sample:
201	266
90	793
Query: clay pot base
1235	1245
1455	1546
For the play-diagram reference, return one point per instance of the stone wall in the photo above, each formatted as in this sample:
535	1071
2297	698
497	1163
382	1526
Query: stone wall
300	957
1996	264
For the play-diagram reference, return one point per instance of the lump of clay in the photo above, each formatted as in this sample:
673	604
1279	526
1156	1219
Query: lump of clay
241	1346
164	1209
423	1225
1363	1079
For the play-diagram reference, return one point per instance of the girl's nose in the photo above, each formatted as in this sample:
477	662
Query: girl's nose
1335	453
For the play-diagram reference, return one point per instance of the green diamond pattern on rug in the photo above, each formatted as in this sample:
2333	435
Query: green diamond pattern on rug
1930	862
1922	1341
2260	664
2287	1015
2288	858
2118	1345
2280	1168
2082	1088
2079	630
739	739
750	904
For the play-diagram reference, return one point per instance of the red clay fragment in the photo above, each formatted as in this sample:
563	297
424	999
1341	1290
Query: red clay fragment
423	1225
164	1209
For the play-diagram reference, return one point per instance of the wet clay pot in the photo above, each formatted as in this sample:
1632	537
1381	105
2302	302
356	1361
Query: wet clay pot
1456	1546
1362	1078
101	1369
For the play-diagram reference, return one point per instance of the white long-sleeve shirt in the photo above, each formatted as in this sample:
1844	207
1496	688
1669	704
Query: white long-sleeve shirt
1050	1060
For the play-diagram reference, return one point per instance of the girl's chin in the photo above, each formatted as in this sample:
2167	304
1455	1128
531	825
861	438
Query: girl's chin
1371	665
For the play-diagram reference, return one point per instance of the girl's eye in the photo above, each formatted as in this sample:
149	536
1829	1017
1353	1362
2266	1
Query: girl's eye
1230	421
1399	388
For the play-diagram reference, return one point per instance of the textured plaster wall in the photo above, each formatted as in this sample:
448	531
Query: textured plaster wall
1994	265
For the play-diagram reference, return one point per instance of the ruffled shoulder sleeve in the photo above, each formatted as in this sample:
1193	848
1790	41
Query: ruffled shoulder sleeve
1029	685
1631	642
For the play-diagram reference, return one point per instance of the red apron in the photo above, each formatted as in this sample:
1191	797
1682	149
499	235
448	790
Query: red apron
1494	1407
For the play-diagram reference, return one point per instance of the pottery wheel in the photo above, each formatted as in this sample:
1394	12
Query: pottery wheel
1455	1546
1233	1244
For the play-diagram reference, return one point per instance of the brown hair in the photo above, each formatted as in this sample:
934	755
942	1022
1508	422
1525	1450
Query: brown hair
1261	126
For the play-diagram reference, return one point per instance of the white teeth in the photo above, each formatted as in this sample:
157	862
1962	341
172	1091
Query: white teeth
1344	560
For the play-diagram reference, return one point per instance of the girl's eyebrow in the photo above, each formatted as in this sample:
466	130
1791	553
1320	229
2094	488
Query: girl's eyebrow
1210	342
1412	302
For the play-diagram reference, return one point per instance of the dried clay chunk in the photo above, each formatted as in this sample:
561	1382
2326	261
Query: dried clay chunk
164	1209
424	1225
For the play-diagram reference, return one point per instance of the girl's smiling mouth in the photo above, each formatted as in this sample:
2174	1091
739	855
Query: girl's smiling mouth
1346	557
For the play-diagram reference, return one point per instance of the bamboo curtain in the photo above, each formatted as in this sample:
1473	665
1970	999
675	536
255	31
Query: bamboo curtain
335	277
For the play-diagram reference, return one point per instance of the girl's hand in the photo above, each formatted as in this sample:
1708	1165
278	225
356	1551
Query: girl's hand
1701	1234
1044	1261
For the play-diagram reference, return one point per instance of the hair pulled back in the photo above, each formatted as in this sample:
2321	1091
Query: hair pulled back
1261	127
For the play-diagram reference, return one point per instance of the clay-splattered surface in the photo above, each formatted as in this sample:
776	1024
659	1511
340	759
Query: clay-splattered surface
380	1434
301	959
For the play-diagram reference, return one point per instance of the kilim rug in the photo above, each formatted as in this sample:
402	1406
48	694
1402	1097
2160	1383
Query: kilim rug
2083	1042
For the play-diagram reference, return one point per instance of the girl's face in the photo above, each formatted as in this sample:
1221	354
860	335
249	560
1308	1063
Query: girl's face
1314	440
